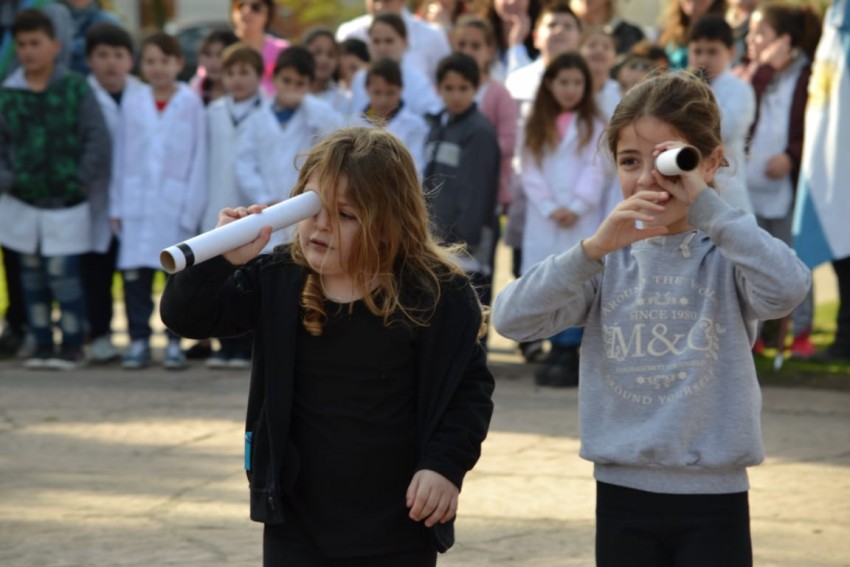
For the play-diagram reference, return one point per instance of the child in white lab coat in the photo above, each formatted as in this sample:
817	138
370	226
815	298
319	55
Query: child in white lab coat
564	183
163	192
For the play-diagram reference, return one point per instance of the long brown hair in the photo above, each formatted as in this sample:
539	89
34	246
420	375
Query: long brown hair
541	131
394	244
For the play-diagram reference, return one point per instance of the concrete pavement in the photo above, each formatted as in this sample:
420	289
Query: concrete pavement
103	467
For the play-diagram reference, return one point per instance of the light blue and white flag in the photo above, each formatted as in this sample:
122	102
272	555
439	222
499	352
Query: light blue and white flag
822	212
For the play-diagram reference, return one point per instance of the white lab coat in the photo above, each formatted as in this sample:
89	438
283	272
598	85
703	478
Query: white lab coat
427	44
737	102
570	177
417	92
227	127
115	117
163	193
269	154
411	129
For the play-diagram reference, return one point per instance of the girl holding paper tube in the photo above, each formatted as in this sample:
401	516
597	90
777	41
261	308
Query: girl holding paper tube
370	395
668	396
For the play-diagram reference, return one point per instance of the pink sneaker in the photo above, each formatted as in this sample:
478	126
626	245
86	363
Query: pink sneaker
802	346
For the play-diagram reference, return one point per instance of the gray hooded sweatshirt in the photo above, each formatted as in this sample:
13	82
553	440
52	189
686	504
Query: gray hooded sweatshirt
668	397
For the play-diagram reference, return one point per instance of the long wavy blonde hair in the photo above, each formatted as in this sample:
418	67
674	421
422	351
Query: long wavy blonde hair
394	245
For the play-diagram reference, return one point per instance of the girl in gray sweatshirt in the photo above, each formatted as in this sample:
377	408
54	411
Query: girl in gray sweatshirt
669	290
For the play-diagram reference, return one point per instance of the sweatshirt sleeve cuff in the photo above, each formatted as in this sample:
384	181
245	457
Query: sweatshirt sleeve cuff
577	265
706	208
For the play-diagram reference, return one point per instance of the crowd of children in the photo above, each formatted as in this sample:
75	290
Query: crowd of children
493	133
658	284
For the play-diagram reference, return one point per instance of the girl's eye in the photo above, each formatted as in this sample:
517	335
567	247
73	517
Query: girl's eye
628	162
346	216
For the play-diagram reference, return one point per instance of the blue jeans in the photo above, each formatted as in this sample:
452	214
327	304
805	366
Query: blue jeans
48	279
138	301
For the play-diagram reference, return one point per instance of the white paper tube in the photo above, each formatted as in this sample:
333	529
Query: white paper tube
677	161
237	233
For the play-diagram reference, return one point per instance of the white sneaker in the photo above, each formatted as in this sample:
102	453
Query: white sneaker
102	350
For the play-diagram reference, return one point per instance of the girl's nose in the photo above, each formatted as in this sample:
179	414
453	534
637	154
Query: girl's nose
323	219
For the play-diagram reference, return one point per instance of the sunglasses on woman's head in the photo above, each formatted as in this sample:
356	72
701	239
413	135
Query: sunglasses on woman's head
256	7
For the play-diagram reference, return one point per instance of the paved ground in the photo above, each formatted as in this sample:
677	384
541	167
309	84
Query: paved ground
103	468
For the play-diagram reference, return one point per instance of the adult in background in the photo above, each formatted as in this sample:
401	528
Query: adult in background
85	14
15	324
426	44
251	21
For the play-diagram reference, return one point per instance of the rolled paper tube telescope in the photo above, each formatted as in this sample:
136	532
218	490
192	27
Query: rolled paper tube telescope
237	233
677	161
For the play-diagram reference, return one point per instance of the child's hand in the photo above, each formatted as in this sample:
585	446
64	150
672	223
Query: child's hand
777	53
431	497
685	187
243	254
520	28
778	166
619	229
564	217
115	226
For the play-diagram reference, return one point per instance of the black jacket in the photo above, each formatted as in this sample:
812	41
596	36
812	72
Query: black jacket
215	299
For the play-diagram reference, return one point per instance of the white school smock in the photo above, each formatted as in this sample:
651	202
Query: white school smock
408	127
427	44
737	102
227	125
163	193
558	181
273	152
114	115
773	198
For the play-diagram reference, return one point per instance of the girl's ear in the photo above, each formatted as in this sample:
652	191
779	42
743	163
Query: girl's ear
711	163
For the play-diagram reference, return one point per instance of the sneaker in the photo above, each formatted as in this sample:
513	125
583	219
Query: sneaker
239	362
560	370
174	357
39	358
138	355
10	341
802	346
68	359
532	351
758	347
102	350
219	359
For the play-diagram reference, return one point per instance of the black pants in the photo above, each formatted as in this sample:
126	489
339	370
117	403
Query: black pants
98	271
644	529
842	332
16	312
288	546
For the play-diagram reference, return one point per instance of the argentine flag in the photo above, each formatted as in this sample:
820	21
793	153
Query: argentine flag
822	211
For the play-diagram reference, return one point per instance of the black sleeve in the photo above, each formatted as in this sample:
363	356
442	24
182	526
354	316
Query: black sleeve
212	299
454	445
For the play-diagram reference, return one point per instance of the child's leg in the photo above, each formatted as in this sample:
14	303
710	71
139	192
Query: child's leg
639	528
98	270
36	295
66	285
138	301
